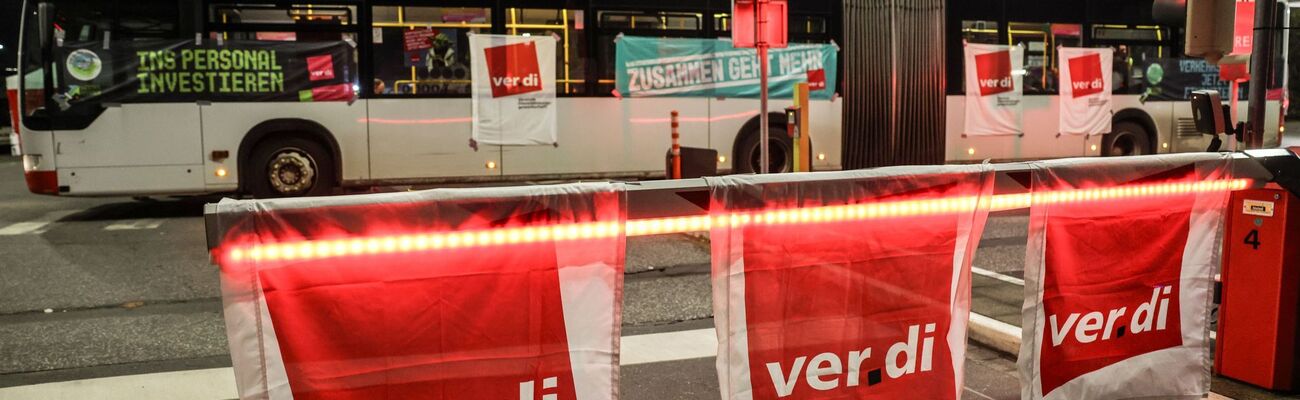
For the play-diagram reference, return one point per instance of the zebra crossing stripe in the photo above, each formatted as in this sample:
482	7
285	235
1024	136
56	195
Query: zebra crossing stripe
37	225
133	224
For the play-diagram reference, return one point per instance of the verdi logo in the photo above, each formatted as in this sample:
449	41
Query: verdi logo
84	65
320	68
512	69
1085	75
993	72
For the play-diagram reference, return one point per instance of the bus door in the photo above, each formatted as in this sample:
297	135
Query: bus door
100	144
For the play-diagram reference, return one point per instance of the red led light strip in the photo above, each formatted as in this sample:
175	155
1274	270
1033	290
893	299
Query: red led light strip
358	246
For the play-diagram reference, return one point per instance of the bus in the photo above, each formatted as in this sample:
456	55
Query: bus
410	121
1151	78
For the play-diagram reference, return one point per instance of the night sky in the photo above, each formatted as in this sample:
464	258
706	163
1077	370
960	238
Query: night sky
9	10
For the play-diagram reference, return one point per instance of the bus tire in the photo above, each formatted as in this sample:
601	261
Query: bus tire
1126	138
748	156
290	167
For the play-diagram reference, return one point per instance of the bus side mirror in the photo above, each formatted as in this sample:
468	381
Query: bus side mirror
45	22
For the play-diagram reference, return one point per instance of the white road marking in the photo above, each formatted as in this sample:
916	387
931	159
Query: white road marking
219	383
990	274
37	225
133	224
215	383
668	346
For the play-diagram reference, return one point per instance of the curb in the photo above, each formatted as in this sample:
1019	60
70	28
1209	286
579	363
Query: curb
995	334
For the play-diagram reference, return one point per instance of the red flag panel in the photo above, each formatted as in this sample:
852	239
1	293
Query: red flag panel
849	301
446	294
1118	288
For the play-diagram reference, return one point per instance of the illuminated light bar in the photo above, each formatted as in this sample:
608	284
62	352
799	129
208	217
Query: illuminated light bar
390	244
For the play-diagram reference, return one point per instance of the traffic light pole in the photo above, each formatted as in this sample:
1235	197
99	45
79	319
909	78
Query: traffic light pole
762	104
1261	67
761	44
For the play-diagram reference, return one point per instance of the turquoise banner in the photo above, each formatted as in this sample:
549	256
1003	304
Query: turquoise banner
649	66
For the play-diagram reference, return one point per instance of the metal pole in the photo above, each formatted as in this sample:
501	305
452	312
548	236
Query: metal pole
1261	67
760	33
762	104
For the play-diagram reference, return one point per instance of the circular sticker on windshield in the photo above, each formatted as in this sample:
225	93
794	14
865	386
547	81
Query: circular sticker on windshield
1155	74
84	65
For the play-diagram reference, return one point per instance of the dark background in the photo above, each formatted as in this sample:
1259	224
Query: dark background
9	10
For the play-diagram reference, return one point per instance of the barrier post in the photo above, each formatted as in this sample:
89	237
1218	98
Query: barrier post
677	149
800	140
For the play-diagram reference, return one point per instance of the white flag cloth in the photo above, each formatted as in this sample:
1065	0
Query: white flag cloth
994	88
1085	90
514	89
1119	276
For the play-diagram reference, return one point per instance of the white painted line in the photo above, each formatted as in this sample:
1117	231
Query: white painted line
668	346
202	384
990	274
219	383
134	224
37	225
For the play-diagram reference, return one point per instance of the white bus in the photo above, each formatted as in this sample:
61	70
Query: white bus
1151	78
411	120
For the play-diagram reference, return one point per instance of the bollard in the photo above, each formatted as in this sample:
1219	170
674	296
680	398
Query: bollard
677	150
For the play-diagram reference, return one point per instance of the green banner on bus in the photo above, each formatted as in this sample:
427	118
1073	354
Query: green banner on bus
143	71
649	66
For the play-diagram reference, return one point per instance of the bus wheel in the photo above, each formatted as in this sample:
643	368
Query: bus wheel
290	167
1125	139
749	156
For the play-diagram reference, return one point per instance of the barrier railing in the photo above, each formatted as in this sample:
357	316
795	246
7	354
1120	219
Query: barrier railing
677	206
825	266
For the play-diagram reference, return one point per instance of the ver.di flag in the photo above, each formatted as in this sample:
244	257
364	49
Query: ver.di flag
447	294
514	89
1119	275
845	284
1085	83
994	89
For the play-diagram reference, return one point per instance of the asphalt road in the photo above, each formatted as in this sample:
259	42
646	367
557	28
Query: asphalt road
112	286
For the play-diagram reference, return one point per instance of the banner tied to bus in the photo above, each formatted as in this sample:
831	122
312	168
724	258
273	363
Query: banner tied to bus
151	71
649	66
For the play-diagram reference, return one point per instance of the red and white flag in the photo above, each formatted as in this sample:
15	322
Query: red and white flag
447	294
513	89
1085	83
845	284
1118	276
994	89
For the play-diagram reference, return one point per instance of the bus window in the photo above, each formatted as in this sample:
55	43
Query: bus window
78	22
807	29
301	22
571	50
1135	46
650	23
985	32
1036	39
424	50
722	24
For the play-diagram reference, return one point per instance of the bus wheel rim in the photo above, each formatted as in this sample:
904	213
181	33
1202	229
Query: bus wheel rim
292	171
